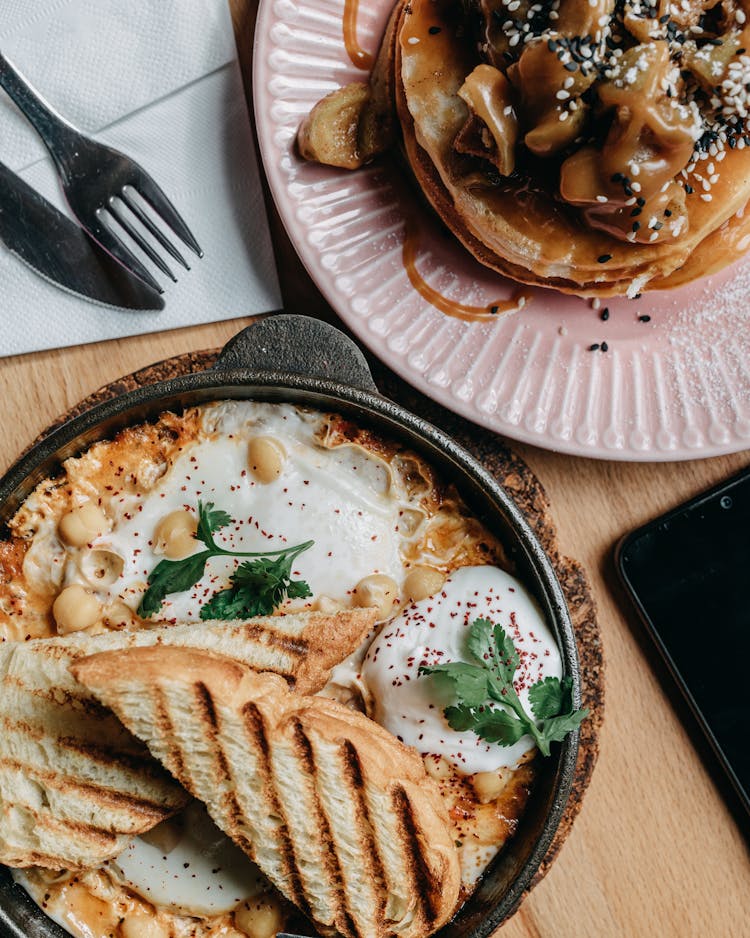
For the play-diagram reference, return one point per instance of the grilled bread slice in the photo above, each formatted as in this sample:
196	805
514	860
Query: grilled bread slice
337	813
74	785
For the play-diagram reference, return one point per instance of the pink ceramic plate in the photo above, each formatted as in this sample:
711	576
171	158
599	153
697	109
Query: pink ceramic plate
674	387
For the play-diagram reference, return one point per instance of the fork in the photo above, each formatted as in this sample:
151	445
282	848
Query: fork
106	190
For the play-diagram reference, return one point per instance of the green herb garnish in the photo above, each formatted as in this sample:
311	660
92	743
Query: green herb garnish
487	702
258	587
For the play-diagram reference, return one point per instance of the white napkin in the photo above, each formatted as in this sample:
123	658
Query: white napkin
159	80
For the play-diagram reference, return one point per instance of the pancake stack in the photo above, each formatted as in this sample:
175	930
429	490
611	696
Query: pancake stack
595	147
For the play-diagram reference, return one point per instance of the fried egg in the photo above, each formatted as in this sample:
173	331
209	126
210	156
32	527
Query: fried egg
345	499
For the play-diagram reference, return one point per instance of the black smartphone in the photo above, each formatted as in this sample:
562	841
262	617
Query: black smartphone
689	574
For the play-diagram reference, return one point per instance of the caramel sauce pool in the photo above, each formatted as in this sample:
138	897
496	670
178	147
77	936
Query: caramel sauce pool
452	307
356	53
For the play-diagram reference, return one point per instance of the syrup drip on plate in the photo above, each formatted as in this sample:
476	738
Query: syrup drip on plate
356	53
452	307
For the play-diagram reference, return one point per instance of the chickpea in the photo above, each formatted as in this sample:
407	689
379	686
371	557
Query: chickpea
259	918
143	926
265	457
377	590
489	785
82	525
325	604
118	616
437	767
75	609
175	535
422	582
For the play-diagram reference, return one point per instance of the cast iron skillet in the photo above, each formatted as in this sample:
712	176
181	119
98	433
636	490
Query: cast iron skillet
304	361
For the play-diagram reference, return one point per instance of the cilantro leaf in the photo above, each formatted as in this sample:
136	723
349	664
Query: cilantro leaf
479	640
209	521
555	729
551	696
499	726
460	717
494	726
478	689
469	681
257	588
171	576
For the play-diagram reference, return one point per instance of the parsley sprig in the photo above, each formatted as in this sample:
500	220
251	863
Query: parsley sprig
487	702
258	587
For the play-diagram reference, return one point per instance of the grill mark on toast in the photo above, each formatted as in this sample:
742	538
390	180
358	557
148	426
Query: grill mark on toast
207	711
155	810
355	784
61	696
256	732
165	730
303	750
80	829
102	755
297	647
423	881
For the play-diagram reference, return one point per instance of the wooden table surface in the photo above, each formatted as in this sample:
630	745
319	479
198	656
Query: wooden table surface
655	851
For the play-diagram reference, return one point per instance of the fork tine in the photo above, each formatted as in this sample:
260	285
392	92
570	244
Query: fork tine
103	234
133	233
152	228
147	189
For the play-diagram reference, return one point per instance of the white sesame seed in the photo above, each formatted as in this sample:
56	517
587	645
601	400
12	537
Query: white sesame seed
653	236
413	40
706	197
562	95
569	82
563	116
635	186
602	198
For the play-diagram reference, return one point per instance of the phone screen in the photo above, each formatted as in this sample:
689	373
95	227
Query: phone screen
690	574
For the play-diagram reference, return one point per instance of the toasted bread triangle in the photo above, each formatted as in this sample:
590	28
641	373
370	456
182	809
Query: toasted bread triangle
74	785
337	813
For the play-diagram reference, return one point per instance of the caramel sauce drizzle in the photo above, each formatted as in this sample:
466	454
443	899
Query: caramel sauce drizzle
356	53
452	307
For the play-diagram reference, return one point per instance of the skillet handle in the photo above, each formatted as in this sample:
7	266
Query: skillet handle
298	345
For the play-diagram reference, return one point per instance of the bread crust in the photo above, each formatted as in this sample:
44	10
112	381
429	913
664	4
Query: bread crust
338	813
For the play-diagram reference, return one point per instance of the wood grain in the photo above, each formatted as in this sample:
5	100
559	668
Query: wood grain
655	851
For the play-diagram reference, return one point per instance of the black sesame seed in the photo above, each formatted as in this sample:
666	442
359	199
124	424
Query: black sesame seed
636	212
603	258
552	45
640	201
740	52
433	30
644	319
658	225
627	190
636	225
571	67
605	347
618	177
668	212
689	190
605	314
594	347
494	309
664	19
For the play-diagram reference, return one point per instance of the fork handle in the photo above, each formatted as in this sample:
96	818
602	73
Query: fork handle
58	135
